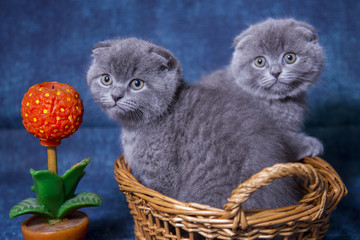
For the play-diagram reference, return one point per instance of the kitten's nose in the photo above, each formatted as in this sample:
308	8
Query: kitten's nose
275	70
276	74
116	97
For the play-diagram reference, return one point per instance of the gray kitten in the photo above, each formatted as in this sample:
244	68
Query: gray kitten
188	142
275	62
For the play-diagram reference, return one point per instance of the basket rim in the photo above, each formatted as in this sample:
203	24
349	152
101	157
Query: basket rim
325	191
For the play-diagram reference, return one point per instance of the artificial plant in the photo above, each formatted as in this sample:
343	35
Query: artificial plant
52	111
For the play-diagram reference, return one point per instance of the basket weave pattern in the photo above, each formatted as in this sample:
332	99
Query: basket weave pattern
157	216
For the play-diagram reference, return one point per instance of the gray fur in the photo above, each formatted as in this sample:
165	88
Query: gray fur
282	97
188	142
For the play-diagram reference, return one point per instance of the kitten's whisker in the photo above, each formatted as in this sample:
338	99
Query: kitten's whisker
267	82
107	102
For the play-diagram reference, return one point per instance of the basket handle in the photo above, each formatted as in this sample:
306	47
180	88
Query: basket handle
306	172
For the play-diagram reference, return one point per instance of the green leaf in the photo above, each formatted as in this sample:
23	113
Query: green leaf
49	189
72	177
80	200
29	205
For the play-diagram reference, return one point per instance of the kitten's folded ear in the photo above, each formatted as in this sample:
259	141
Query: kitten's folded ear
100	45
170	62
308	31
240	40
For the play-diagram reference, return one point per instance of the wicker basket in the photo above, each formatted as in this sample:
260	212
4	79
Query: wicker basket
160	217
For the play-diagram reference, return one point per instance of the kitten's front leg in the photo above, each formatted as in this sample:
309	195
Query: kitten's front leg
306	146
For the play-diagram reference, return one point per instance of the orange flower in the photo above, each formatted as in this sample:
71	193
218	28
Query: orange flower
52	111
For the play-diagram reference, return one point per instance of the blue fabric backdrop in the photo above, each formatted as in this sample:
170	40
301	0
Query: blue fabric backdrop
52	40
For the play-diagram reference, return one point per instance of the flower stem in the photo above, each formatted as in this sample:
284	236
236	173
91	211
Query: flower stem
52	159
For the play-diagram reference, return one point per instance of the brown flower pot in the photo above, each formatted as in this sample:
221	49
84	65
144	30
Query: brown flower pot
74	228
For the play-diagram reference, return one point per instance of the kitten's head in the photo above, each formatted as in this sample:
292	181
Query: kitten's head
276	59
133	80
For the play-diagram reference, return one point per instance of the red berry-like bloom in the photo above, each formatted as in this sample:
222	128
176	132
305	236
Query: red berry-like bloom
52	111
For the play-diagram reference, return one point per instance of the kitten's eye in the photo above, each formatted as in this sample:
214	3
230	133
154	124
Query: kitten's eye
260	61
106	79
137	84
290	58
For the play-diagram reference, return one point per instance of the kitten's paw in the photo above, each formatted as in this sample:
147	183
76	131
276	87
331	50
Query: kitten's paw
310	147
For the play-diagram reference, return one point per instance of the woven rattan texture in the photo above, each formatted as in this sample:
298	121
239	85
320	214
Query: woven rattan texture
157	216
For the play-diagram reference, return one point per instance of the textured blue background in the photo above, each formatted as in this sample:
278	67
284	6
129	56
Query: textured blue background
51	41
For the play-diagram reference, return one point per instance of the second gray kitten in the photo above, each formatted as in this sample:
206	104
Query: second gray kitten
275	62
188	142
